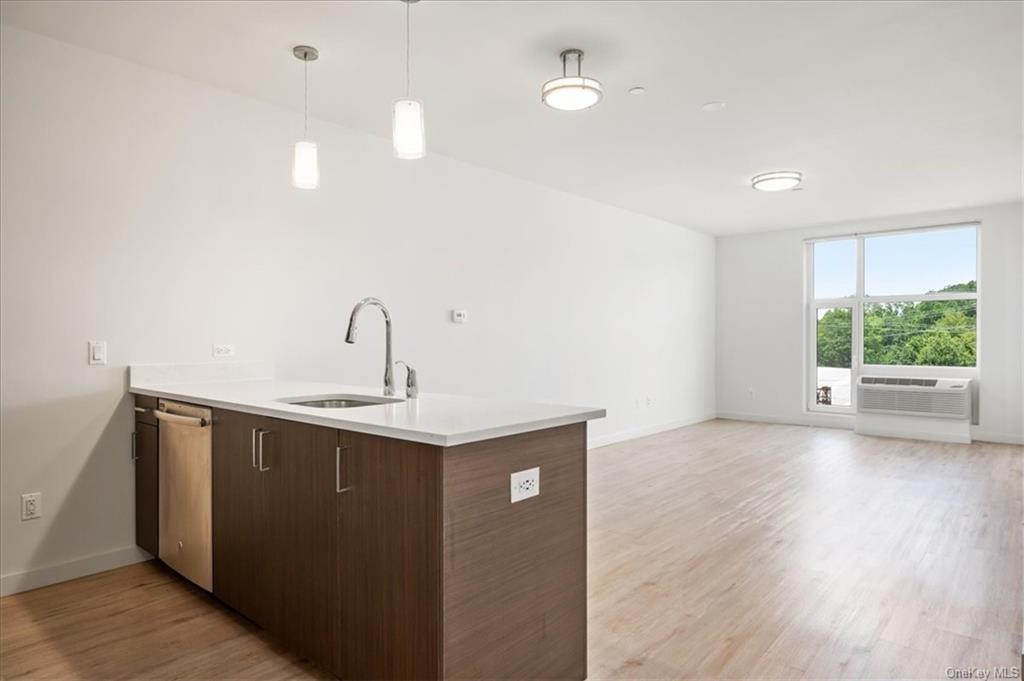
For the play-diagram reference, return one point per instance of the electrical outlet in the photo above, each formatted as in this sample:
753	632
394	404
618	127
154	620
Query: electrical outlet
524	484
460	316
223	350
31	506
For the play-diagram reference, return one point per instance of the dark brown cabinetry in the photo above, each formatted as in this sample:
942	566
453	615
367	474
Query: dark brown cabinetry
380	558
303	537
328	540
146	455
392	558
239	515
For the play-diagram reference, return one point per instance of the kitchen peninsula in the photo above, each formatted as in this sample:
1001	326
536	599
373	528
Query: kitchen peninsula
383	541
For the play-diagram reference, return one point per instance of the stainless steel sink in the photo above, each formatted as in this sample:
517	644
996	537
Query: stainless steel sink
339	401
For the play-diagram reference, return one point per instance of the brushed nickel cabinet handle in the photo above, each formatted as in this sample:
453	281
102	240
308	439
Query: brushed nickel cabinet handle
180	420
135	456
259	445
141	410
254	431
337	471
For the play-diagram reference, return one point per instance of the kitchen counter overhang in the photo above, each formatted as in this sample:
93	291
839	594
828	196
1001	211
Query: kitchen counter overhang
442	420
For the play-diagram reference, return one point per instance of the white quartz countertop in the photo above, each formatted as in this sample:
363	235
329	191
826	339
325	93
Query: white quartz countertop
443	420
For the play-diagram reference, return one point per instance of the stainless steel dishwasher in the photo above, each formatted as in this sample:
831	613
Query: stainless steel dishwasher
186	531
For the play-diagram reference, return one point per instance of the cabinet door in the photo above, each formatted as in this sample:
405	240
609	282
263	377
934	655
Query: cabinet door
303	504
390	557
239	515
146	446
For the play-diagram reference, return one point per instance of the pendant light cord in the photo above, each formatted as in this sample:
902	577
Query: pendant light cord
305	98
407	41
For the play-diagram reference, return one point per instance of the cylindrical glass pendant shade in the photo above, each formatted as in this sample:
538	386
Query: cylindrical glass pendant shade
407	130
306	166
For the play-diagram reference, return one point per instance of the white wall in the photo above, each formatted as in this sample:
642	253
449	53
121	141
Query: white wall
157	214
760	333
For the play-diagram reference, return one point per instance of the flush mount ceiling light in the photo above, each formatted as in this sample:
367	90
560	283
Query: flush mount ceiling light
776	181
305	166
408	134
571	93
712	107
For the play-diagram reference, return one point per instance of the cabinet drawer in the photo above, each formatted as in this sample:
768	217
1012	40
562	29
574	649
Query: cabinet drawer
144	406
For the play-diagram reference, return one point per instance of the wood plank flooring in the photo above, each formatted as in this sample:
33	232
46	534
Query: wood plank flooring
738	550
137	622
721	550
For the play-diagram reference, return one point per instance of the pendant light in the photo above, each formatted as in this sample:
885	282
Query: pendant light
571	93
407	132
305	165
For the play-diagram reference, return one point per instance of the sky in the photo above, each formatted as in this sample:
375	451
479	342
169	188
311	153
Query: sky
896	264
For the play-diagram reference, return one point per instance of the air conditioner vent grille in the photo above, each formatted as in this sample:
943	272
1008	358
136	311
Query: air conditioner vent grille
917	402
942	398
893	380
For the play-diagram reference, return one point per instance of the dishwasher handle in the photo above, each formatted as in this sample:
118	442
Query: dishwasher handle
180	420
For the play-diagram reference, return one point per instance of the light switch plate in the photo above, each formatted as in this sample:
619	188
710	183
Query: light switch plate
524	484
97	352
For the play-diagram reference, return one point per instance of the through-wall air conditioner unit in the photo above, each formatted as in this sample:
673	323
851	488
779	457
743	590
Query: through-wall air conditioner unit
922	408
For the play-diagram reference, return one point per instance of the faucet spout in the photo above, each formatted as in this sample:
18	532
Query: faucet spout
350	337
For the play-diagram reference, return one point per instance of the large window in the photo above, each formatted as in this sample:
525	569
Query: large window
905	299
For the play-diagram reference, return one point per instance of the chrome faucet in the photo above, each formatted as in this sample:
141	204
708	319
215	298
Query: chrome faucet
350	337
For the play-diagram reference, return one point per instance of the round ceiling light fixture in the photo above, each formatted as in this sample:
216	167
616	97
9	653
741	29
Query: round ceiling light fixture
713	106
776	181
637	90
571	93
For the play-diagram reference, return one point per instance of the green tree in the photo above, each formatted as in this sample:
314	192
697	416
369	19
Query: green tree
835	332
930	333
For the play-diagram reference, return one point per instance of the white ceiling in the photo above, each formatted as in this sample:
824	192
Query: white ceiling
887	107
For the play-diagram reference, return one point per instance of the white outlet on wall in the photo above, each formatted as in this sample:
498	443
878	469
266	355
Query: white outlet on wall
524	484
31	506
223	350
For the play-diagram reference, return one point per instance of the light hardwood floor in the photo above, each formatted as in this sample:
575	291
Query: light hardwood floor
738	550
722	550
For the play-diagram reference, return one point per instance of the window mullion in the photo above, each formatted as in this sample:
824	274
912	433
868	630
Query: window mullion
923	297
858	325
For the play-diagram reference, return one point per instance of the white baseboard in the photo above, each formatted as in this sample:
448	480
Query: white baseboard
844	421
985	435
633	433
16	582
